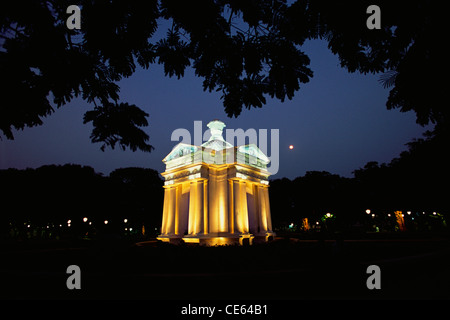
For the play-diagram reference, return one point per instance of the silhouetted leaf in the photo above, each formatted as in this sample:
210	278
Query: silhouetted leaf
119	123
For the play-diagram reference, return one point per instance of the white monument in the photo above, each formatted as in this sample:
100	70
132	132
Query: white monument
216	193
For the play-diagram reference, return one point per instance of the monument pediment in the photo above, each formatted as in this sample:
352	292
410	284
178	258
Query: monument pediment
253	151
180	150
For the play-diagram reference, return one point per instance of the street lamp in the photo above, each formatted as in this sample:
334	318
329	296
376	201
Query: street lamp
368	211
85	219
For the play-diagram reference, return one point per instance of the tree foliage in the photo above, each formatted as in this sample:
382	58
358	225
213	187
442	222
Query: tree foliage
51	195
415	181
247	50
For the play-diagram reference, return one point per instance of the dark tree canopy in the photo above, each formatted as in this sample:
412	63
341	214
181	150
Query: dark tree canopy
247	50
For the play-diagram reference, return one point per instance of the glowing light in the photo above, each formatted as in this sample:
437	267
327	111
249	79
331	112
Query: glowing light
373	215
105	222
69	221
85	219
68	224
291	225
90	222
191	240
408	212
400	220
125	220
368	211
305	224
131	229
28	226
328	215
434	213
291	147
389	214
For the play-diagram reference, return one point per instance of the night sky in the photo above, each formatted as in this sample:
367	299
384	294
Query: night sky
337	122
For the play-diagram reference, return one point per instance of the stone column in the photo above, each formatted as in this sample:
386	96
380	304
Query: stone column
177	192
240	206
222	201
213	217
268	215
165	216
193	205
257	196
199	208
169	210
205	207
262	208
196	207
218	200
231	213
252	210
236	209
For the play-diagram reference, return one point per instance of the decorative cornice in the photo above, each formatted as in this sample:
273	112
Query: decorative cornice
252	174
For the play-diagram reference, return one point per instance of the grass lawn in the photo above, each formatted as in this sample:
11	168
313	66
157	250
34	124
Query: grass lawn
283	269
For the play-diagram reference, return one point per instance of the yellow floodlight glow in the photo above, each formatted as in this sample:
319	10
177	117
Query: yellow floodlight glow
400	220
191	240
215	194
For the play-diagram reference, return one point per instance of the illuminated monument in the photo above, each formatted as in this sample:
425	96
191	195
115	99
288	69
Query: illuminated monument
216	193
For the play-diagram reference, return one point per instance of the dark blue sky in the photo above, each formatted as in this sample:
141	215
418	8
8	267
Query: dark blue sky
337	122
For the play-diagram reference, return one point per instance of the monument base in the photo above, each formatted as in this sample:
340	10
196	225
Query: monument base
173	239
264	237
218	239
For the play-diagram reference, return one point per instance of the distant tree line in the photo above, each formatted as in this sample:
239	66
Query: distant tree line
417	181
39	203
51	201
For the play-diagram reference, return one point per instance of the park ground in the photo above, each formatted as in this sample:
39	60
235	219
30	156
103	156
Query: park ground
287	268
